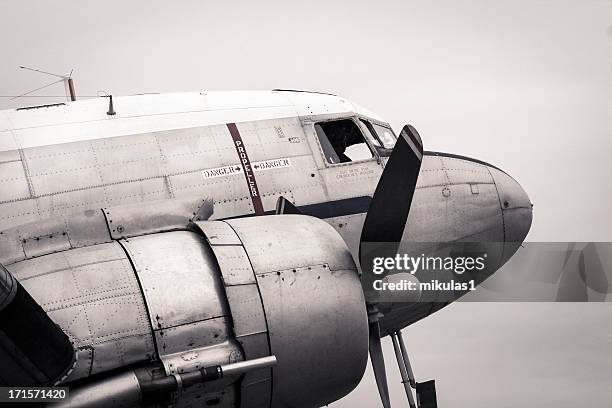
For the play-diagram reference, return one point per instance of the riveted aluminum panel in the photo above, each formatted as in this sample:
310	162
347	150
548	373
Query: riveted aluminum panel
235	265
194	335
299	181
282	161
136	191
247	313
279	242
92	227
64	202
444	207
152	165
13	213
461	171
53	235
256	345
183	289
276	138
219	233
179	277
45	244
86	228
193	149
321	355
229	192
432	173
195	161
155	216
97	196
349	227
13	182
123	159
68	167
516	207
93	295
352	179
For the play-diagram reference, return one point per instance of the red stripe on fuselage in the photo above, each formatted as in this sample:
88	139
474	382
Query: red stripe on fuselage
249	174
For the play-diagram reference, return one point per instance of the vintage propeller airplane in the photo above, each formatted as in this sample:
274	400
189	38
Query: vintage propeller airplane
202	249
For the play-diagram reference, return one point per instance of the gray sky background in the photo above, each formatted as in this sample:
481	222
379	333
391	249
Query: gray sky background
525	85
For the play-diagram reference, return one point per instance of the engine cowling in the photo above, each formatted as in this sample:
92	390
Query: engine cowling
314	307
211	293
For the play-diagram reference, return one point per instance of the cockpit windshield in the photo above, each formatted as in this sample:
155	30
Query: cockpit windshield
383	136
386	135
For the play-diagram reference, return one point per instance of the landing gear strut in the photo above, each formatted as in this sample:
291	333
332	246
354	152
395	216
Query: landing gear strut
425	391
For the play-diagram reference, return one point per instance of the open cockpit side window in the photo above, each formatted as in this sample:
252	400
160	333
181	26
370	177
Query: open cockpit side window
342	141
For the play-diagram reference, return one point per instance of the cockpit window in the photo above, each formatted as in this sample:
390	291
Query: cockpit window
342	141
386	135
371	134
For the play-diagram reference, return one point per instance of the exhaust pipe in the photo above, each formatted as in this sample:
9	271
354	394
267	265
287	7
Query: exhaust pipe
140	387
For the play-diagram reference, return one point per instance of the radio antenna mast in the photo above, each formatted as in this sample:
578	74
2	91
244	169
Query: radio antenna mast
66	79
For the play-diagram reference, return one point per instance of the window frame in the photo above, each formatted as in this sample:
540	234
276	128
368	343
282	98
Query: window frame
385	126
356	121
369	124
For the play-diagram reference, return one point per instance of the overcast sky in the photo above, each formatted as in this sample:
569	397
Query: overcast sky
525	85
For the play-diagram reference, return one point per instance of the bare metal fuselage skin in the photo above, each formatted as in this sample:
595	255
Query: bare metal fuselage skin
63	160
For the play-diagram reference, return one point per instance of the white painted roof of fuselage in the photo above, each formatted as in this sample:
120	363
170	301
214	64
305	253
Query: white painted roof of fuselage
87	119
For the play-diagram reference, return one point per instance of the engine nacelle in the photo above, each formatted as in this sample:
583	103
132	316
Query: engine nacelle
213	293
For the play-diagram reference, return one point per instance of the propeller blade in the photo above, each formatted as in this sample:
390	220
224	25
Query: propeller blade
378	364
388	211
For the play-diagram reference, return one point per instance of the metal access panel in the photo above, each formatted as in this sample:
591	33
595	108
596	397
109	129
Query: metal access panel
248	315
310	334
93	295
322	355
188	309
179	277
448	186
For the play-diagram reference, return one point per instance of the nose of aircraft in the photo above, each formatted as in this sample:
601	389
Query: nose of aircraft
515	206
516	209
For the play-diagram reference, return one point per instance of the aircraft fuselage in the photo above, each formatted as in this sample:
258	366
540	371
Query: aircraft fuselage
243	151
